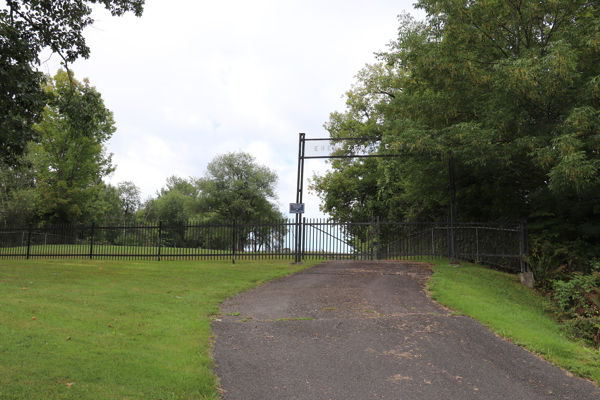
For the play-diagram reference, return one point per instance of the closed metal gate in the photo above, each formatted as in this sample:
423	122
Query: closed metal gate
500	244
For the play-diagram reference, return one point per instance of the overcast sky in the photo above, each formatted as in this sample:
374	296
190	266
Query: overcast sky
193	79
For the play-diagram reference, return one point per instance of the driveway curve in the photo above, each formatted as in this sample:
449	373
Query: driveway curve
367	330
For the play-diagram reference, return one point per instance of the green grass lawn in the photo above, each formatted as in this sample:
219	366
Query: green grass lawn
116	329
513	311
142	329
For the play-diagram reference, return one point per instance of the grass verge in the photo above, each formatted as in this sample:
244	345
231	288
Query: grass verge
116	329
513	311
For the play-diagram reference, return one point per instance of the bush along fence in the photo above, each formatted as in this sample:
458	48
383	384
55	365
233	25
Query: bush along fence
500	244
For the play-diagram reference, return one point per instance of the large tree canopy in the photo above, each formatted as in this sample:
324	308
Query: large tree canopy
26	28
236	187
176	203
60	178
70	159
510	90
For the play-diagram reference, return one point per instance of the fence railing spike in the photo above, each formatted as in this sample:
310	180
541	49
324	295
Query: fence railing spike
499	243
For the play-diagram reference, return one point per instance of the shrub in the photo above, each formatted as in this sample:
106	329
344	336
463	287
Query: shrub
584	328
550	260
579	299
579	295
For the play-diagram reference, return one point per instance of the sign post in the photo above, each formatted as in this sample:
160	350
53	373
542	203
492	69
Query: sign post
299	185
298	209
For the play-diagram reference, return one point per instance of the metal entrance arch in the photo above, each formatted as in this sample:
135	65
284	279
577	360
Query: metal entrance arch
362	147
323	148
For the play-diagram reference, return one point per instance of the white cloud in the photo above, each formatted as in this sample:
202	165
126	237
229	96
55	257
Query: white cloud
191	79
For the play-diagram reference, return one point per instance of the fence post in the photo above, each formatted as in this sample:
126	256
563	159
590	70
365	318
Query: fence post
377	237
297	239
452	243
303	254
448	239
452	205
29	241
477	242
92	241
159	244
432	242
524	245
233	242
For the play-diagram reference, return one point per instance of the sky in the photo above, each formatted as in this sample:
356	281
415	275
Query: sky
193	79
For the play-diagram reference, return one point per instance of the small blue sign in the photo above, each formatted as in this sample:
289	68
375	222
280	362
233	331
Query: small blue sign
297	208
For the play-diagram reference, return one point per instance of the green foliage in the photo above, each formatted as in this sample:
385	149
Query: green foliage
176	203
69	158
578	295
547	260
27	27
129	196
59	180
351	193
585	328
21	97
17	195
236	187
509	93
117	205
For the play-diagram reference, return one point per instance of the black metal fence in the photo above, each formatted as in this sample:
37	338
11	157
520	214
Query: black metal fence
503	245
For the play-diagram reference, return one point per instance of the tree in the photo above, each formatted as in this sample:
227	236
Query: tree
236	187
69	159
26	28
21	96
176	203
508	92
117	205
129	194
18	198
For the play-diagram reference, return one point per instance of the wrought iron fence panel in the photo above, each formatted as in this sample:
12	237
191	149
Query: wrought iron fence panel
416	239
494	244
497	244
326	239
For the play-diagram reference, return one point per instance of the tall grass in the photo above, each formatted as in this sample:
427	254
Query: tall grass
116	329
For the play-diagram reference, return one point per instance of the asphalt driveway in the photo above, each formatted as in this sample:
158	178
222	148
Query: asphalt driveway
366	330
